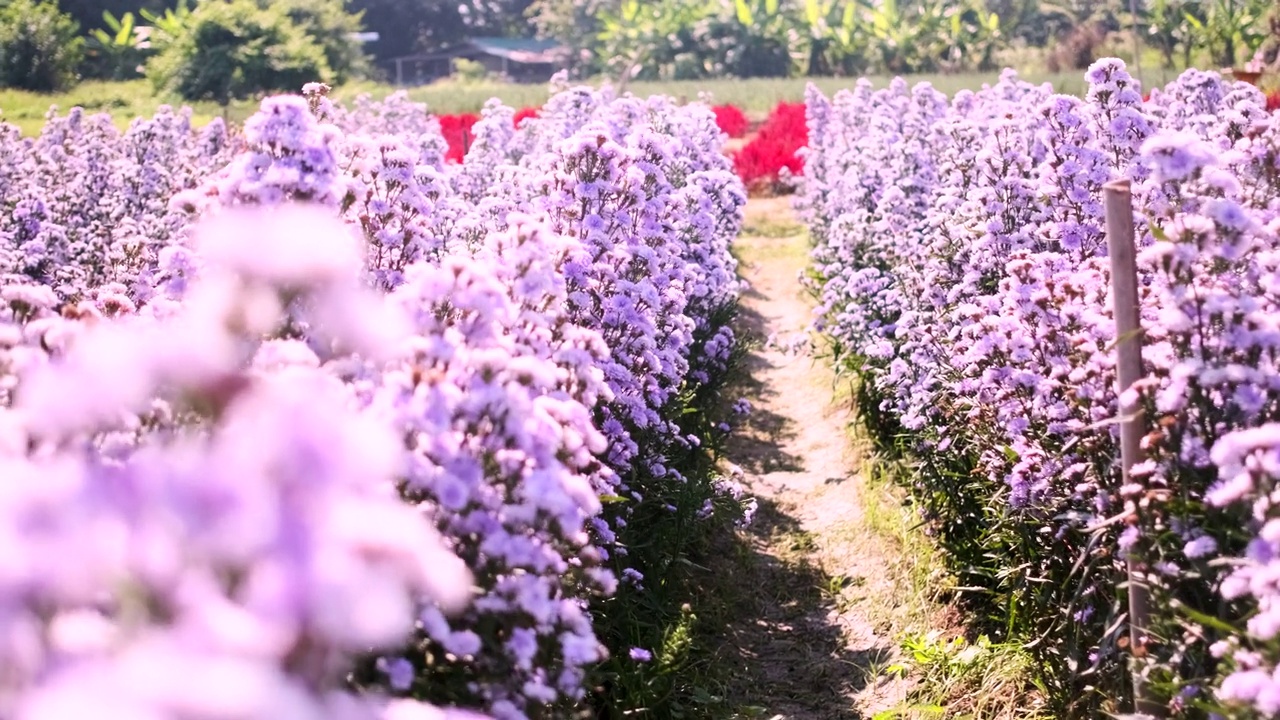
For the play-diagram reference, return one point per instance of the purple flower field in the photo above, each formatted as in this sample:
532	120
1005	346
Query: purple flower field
301	421
961	266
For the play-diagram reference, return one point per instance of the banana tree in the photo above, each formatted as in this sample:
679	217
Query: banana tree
909	40
1170	32
1224	27
837	37
768	27
971	36
639	37
118	50
171	24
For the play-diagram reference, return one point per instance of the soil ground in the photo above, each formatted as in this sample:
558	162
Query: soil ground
827	595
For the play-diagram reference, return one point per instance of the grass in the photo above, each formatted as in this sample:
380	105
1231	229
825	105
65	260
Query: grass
775	222
956	676
126	100
964	680
759	95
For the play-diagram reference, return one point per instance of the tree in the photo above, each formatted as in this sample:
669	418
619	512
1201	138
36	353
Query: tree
497	18
88	13
117	51
233	49
328	24
576	24
40	46
405	27
1224	28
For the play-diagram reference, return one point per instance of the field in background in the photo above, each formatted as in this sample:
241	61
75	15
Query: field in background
130	99
757	96
125	100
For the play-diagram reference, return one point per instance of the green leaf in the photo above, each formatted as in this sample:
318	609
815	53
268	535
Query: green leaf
811	14
850	20
1209	620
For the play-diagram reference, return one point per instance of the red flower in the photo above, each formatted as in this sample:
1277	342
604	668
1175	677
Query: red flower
457	132
774	147
731	120
523	113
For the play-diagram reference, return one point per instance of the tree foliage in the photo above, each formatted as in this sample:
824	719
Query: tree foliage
748	38
328	24
40	46
89	13
685	39
227	49
405	27
117	51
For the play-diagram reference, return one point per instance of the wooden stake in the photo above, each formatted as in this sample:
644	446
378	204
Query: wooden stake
1124	291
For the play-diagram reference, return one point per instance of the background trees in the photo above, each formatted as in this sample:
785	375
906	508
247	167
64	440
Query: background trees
228	49
623	39
40	48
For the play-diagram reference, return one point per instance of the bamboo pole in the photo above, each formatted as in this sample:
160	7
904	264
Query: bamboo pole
1124	287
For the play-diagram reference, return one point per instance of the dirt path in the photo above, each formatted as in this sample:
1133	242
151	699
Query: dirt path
818	626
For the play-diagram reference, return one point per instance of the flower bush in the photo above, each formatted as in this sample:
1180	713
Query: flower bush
960	264
457	133
770	160
731	120
338	414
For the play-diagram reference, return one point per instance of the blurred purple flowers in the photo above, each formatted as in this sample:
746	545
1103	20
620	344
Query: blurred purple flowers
279	405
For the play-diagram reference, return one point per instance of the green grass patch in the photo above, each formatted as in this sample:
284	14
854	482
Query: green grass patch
956	673
756	96
128	99
759	95
123	100
767	227
963	680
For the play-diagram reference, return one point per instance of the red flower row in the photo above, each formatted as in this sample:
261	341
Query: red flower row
457	130
759	163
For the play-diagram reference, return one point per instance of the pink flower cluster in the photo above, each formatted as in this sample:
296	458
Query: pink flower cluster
306	408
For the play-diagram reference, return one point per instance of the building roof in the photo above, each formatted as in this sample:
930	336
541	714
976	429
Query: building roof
521	50
514	48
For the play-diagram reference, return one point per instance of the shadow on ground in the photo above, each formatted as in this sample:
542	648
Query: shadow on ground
756	444
781	642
